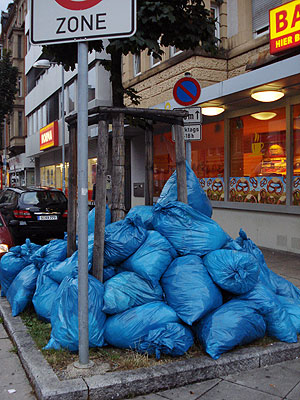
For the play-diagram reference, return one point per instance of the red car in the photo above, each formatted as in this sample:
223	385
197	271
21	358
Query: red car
6	240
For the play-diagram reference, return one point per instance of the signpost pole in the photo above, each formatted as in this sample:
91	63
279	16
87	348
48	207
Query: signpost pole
83	328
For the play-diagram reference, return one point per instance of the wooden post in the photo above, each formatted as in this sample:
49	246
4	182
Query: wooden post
100	200
180	164
149	165
72	192
118	168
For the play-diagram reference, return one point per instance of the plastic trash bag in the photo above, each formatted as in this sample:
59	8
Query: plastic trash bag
109	272
150	328
30	247
141	215
232	270
292	306
58	271
11	264
64	315
127	290
189	289
196	196
91	219
54	251
122	238
279	324
152	259
44	294
276	283
22	289
234	323
188	230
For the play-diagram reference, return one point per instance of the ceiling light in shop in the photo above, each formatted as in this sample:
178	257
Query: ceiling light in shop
267	96
264	116
212	111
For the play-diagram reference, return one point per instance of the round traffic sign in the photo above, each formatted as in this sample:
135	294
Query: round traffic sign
186	91
78	4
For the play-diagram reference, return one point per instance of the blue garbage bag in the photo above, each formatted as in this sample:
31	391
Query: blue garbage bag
189	289
58	271
188	230
292	306
235	323
44	294
127	290
30	247
64	315
276	283
152	259
137	327
232	270
11	264
122	238
91	219
109	272
54	251
141	215
22	289
196	196
279	324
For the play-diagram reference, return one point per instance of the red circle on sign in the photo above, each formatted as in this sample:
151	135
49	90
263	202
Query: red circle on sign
77	5
190	93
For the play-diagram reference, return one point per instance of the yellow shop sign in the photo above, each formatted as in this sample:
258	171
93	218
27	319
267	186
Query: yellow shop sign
285	27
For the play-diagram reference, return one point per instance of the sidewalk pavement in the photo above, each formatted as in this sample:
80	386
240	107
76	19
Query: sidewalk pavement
279	381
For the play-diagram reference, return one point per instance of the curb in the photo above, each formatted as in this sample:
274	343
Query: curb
117	385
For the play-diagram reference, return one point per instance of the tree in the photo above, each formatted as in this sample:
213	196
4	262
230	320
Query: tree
8	85
180	23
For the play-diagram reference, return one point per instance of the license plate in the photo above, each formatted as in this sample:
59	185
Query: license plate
47	217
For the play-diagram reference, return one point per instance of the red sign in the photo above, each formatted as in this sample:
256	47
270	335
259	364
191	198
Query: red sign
285	27
78	5
186	91
49	136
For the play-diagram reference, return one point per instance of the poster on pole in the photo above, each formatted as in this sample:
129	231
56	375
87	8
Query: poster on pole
66	21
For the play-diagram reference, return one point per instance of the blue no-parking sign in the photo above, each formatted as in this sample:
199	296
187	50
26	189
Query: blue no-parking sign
186	91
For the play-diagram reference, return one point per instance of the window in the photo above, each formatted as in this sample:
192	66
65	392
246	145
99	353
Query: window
154	60
136	64
20	40
164	162
52	108
20	86
20	123
215	14
71	97
173	51
260	15
258	158
296	162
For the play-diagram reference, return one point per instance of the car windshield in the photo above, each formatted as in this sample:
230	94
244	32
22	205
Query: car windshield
43	197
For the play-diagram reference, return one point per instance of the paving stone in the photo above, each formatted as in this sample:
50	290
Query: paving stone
149	397
276	380
189	392
3	333
11	372
23	392
231	391
6	348
294	394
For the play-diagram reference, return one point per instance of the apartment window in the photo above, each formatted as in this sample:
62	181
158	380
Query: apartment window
92	84
215	14
20	123
71	97
154	60
260	15
53	108
136	64
20	86
173	51
20	40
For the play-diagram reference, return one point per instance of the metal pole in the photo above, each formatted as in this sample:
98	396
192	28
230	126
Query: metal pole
188	151
4	152
83	327
63	128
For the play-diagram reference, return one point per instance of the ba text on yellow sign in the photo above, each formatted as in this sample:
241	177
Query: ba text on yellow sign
285	27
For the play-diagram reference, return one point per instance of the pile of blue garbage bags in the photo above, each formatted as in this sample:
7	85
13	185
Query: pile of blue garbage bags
172	277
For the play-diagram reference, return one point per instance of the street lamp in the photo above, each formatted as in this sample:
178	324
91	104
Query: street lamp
46	64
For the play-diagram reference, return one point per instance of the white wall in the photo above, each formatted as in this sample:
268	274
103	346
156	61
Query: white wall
274	231
137	167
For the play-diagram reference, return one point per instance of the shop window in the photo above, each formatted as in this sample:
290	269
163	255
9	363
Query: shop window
296	163
208	160
258	158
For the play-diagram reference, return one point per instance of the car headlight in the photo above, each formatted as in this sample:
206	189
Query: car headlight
3	248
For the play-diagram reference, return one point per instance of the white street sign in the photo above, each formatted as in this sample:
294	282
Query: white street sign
192	124
65	21
194	117
192	132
